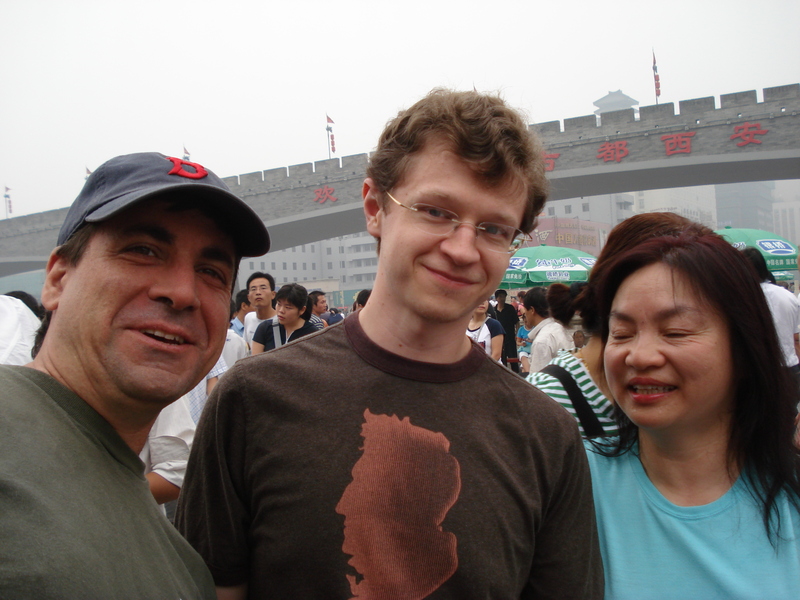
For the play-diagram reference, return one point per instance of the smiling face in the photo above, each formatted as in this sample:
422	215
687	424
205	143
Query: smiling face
142	315
439	278
668	356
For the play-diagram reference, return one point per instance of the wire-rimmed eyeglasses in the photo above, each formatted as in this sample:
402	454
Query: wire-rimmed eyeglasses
440	221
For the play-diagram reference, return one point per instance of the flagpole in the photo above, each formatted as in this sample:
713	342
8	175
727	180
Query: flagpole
656	78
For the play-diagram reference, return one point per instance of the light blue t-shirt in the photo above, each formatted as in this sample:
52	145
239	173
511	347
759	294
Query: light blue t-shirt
653	549
523	332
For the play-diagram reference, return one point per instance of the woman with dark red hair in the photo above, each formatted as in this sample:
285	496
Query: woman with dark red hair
575	379
699	496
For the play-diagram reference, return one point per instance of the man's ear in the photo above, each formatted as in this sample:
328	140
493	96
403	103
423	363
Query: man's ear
56	275
372	207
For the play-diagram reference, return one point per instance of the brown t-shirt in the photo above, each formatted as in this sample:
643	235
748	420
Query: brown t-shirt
332	468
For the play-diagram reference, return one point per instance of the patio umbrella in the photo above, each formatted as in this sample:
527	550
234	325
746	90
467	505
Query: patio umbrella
543	265
780	254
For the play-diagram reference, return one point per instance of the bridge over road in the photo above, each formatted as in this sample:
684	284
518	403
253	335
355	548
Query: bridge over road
621	151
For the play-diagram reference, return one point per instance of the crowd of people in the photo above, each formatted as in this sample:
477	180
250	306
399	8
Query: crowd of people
654	456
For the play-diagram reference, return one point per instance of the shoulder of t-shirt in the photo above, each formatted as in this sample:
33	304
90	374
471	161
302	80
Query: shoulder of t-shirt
263	331
495	327
533	398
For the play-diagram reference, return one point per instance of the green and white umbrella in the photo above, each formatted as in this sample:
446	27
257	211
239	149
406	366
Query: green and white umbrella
780	254
543	265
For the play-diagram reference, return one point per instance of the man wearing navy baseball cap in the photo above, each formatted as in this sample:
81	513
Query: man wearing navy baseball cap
138	291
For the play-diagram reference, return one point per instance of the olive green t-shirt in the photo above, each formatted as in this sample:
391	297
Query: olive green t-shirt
77	519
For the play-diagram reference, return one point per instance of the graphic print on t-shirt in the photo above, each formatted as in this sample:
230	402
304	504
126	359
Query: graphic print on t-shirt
475	335
403	485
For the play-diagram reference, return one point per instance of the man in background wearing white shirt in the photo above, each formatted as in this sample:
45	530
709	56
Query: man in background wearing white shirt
261	293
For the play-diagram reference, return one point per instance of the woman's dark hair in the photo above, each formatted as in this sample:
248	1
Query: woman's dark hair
297	295
363	296
759	263
760	442
631	232
536	299
561	300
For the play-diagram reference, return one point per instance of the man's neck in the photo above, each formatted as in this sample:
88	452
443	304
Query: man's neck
265	312
125	415
410	337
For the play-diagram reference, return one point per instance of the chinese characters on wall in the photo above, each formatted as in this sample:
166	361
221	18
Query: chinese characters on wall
324	193
674	143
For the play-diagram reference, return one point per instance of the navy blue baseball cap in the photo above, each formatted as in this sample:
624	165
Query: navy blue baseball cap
126	180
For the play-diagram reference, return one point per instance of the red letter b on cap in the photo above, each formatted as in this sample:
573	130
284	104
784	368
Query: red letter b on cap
177	169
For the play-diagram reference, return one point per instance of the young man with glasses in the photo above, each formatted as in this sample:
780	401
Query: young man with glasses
261	292
423	468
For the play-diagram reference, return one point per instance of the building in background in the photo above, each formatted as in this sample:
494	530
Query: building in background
745	205
697	203
608	208
586	236
614	101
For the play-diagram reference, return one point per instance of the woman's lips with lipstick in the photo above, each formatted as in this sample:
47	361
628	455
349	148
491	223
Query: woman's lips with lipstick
648	390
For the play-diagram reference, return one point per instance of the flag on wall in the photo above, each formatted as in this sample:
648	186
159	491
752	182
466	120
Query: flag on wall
656	78
331	141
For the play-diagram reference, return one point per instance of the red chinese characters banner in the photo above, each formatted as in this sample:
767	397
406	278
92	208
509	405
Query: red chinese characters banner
747	133
678	143
324	193
613	151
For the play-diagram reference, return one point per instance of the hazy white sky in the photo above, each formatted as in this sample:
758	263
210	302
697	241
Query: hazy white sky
246	85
